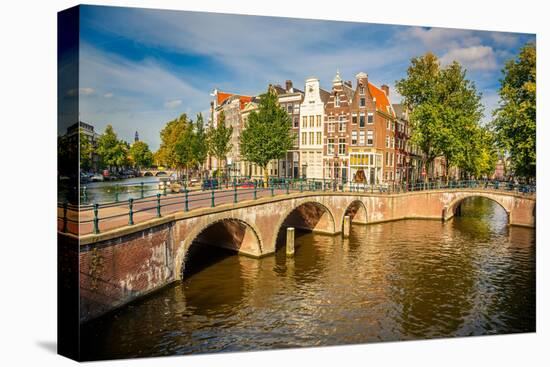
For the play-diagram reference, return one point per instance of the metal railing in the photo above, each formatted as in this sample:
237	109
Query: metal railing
234	192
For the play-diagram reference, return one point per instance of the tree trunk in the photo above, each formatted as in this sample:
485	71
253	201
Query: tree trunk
266	175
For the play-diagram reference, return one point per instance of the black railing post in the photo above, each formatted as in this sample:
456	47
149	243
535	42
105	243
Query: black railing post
116	193
255	190
212	204
158	205
85	194
141	189
186	200
96	218
234	193
287	188
130	211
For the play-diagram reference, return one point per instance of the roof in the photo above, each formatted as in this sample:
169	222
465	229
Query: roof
223	96
382	101
399	109
324	95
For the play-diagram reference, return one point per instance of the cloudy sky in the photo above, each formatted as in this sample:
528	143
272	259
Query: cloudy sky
141	68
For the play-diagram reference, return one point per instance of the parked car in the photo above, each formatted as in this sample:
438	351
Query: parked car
210	184
246	184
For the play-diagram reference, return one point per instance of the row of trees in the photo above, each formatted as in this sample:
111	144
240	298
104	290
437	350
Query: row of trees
446	117
185	144
447	111
114	153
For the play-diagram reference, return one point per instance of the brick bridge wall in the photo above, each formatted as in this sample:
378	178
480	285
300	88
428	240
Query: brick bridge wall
124	264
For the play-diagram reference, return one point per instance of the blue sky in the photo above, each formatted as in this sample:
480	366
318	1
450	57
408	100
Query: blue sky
140	68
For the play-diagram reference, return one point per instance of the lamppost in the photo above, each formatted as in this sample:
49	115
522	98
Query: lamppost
407	160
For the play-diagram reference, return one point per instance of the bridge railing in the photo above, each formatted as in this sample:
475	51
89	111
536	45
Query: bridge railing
98	216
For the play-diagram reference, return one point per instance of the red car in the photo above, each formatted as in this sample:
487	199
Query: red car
246	185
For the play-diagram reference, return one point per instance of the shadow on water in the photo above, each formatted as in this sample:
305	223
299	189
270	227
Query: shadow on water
201	256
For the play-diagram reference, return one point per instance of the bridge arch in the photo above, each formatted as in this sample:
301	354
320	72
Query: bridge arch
148	174
229	233
357	211
308	214
450	210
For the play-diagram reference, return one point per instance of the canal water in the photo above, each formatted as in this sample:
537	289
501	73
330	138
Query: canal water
404	280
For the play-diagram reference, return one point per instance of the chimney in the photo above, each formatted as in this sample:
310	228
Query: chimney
348	83
386	89
288	85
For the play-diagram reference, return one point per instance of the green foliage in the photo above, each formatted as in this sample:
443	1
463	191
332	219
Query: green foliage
446	110
140	155
112	152
169	136
219	139
268	133
86	150
515	118
183	143
199	144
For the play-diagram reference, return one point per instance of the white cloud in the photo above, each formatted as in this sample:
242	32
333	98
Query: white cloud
473	58
173	104
142	88
505	39
108	95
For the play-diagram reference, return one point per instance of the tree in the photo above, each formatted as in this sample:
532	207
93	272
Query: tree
140	154
268	134
112	152
446	109
219	140
199	144
184	148
515	119
86	151
169	136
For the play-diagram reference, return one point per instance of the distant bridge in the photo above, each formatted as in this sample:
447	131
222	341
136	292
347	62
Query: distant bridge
151	253
157	172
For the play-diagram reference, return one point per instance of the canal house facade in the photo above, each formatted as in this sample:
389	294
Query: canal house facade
351	133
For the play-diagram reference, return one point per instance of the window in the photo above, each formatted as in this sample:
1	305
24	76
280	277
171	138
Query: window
304	121
304	139
354	119
342	123
311	141
331	124
354	138
318	138
362	102
370	119
318	120
336	100
289	108
370	138
330	147
387	141
361	90
342	146
362	120
361	138
296	122
387	158
392	143
311	120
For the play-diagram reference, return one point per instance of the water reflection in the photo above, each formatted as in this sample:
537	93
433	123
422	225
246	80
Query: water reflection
402	280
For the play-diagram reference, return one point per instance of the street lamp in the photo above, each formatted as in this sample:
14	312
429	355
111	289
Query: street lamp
407	160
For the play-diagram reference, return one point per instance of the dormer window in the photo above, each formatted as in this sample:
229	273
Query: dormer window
336	100
361	89
362	102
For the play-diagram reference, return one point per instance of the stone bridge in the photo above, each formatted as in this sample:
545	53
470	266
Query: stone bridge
122	264
157	172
